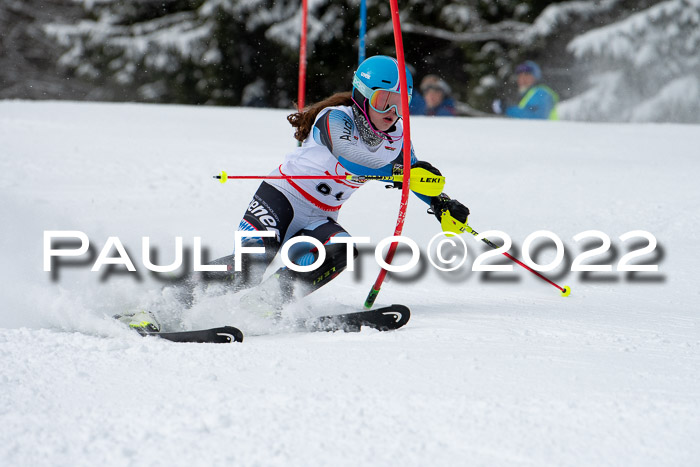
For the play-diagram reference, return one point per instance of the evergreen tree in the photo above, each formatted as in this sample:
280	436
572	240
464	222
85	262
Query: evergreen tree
635	58
625	60
646	67
472	44
245	51
186	51
28	57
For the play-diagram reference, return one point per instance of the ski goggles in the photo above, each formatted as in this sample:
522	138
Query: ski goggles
381	100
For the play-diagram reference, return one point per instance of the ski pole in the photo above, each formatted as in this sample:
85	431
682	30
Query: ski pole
565	291
423	182
223	177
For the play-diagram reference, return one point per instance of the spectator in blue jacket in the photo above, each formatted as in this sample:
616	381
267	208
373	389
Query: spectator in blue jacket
435	99
537	100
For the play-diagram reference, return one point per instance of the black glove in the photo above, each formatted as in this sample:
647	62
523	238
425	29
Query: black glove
427	166
439	204
398	170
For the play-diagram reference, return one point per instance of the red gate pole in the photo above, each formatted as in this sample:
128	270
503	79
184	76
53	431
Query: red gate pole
302	57
372	296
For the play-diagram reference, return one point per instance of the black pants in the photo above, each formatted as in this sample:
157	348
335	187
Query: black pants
271	210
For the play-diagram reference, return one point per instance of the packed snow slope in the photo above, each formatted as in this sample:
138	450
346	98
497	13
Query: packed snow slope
493	368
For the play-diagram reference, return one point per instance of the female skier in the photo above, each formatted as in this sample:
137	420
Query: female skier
351	133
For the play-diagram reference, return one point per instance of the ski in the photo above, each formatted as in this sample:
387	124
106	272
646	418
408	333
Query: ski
222	335
383	319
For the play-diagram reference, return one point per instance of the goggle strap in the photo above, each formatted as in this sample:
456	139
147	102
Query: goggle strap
362	87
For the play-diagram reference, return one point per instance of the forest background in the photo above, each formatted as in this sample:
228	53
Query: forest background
609	60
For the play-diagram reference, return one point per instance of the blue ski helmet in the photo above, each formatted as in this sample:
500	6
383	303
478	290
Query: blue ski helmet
378	72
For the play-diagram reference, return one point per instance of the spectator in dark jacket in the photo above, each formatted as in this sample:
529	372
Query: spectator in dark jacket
435	99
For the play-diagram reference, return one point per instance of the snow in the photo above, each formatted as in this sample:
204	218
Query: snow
487	372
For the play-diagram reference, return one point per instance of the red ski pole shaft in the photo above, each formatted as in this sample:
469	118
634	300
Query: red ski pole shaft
281	177
565	291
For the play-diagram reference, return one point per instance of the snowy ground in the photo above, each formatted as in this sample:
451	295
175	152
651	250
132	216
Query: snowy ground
492	369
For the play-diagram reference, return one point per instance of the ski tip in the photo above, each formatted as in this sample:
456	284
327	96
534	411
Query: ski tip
401	314
222	335
388	318
566	291
228	334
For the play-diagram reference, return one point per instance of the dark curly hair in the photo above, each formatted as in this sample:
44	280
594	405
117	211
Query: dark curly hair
304	119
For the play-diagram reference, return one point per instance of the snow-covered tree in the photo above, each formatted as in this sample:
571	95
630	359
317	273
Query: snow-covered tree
620	60
27	56
190	51
245	51
640	62
473	44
